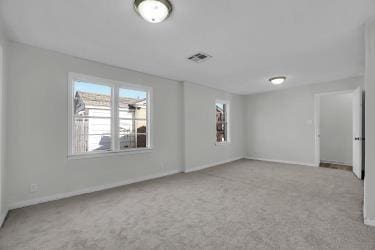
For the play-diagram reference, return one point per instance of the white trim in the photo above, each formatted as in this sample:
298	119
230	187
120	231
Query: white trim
109	153
2	218
223	143
89	190
348	91
370	222
107	82
197	168
284	162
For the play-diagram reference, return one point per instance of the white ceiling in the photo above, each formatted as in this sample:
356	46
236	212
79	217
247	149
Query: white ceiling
250	40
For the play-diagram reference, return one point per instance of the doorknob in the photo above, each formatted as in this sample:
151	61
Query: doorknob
357	138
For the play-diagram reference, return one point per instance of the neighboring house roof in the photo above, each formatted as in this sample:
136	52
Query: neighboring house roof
219	113
83	99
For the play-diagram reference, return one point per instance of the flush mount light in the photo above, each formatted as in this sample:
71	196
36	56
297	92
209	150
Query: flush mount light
153	11
277	80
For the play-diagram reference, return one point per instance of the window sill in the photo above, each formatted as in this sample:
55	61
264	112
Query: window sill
109	154
222	143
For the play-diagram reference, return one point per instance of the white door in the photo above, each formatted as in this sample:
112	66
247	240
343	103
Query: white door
357	133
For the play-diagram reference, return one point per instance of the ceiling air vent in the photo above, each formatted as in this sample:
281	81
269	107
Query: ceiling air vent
199	57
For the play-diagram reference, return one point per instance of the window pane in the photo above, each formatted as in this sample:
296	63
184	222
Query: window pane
92	117
132	104
133	115
220	112
141	126
140	112
128	141
221	132
92	99
133	126
127	126
91	134
141	140
220	106
93	126
92	143
221	122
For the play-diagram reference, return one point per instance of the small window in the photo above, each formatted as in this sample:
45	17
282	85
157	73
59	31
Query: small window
222	121
107	116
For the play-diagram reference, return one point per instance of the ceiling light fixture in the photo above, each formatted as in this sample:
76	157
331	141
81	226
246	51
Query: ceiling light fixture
153	11
277	80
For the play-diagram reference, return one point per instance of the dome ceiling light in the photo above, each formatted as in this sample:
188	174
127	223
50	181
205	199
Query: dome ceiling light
277	80
153	11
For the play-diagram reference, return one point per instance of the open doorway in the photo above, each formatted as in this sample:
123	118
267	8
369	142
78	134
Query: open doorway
338	128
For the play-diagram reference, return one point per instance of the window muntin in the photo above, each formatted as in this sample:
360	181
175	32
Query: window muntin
107	116
222	117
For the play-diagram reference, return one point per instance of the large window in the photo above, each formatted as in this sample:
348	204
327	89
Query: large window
222	121
107	116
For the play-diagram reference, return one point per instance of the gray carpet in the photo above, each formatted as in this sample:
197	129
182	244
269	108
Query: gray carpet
243	205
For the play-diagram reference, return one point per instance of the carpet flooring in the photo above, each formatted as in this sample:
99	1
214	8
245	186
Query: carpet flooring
241	205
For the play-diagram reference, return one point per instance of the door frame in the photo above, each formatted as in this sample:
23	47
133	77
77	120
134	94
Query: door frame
317	119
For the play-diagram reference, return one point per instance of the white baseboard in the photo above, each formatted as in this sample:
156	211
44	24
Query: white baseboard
282	161
2	218
197	168
370	222
337	163
88	190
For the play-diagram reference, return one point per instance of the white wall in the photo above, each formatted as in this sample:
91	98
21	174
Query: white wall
336	128
37	127
369	206
37	150
200	131
280	124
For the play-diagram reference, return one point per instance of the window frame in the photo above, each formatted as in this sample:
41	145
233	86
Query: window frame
227	115
115	133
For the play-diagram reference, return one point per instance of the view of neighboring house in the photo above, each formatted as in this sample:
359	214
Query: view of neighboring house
92	123
220	122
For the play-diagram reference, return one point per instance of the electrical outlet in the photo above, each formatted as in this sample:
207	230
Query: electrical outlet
34	188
